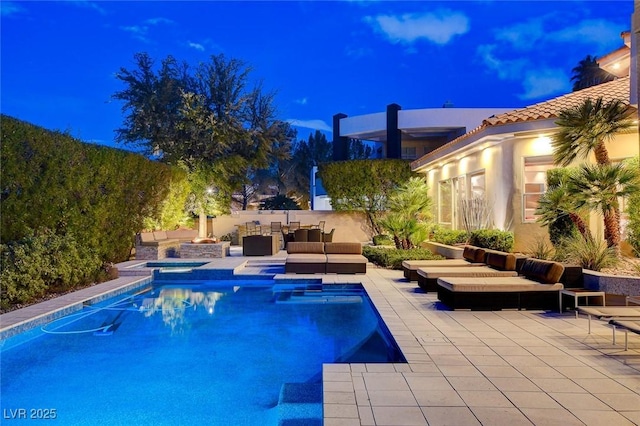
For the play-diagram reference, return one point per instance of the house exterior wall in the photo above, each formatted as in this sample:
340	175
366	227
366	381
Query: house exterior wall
503	165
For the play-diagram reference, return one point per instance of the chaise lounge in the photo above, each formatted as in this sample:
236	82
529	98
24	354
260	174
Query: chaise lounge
499	264
537	287
471	256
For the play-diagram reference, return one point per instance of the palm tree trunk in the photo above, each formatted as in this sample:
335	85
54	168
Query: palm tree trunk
580	224
612	228
601	153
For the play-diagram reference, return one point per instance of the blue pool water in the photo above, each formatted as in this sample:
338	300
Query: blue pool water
215	353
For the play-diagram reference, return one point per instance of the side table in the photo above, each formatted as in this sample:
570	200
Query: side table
579	292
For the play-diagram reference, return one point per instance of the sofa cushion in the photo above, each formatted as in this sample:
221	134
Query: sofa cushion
306	258
473	254
501	261
160	235
495	284
479	271
146	237
343	248
543	271
182	234
305	247
346	258
415	264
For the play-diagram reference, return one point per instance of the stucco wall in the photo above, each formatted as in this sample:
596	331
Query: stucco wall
349	226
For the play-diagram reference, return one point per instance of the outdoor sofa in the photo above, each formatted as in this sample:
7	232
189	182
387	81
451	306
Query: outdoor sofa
537	287
471	256
498	264
325	258
162	244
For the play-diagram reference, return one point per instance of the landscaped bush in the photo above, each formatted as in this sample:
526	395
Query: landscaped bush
37	264
590	253
392	258
382	240
449	236
494	239
633	211
79	201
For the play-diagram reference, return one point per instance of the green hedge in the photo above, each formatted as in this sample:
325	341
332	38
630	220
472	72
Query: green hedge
450	236
494	239
95	198
392	257
37	264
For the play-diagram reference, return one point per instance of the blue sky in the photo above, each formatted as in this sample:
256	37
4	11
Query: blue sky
321	58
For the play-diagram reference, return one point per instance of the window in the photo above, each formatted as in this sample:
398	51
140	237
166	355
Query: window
535	184
445	202
409	153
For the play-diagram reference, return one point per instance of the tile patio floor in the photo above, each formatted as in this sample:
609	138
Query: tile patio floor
469	368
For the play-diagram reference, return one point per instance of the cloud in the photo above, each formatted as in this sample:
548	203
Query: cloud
439	27
357	51
89	5
158	21
140	32
598	32
310	124
9	8
196	46
507	69
302	101
544	83
533	33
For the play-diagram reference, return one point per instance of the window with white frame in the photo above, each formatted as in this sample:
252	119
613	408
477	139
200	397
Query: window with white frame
535	184
445	203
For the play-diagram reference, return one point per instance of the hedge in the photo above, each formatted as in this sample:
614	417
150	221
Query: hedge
94	198
392	258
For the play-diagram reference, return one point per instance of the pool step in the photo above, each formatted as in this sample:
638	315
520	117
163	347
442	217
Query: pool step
300	404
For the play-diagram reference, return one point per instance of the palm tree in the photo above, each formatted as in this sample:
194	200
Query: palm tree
586	128
557	210
588	73
598	187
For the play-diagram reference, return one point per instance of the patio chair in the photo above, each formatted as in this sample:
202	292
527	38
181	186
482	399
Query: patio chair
315	235
321	225
608	313
276	227
252	228
301	235
293	226
327	237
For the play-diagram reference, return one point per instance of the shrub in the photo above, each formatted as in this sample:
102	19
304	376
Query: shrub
633	210
392	258
40	263
494	239
539	249
382	240
450	236
590	253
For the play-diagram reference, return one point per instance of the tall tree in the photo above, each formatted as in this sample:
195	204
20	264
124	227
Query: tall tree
206	117
358	150
598	187
585	129
588	73
314	151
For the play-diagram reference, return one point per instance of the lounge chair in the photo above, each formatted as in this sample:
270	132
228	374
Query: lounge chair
471	256
498	265
537	287
608	313
627	326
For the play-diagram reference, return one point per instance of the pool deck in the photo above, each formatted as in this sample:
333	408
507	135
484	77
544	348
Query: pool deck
464	367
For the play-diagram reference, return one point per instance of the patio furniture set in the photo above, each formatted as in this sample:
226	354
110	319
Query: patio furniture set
325	258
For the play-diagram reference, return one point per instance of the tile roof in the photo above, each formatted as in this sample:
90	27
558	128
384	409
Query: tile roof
616	89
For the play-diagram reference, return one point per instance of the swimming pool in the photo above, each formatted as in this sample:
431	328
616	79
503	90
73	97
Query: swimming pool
209	353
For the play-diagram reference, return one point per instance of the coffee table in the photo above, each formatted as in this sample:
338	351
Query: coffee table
580	292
